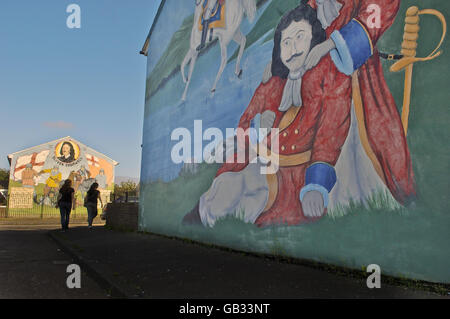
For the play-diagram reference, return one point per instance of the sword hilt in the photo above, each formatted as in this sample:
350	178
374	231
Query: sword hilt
409	46
411	32
411	35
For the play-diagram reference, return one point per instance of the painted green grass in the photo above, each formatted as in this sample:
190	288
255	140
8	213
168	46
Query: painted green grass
405	243
378	201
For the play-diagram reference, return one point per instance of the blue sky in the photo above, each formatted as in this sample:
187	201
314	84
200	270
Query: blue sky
88	83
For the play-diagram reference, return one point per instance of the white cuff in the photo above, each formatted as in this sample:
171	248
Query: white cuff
315	187
341	56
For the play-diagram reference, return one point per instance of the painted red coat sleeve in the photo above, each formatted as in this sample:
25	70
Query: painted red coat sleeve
362	10
257	103
367	9
263	99
334	120
383	124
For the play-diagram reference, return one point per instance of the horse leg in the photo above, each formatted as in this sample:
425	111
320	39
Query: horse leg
240	39
186	60
194	55
223	49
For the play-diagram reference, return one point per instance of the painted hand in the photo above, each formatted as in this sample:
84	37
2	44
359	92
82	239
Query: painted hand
267	120
313	205
317	53
267	75
254	125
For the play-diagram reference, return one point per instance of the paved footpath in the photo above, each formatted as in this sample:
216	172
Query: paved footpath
32	265
148	266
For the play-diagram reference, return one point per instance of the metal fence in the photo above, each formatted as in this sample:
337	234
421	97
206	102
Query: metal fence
22	206
26	206
125	197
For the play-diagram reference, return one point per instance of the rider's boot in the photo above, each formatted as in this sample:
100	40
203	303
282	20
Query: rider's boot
204	33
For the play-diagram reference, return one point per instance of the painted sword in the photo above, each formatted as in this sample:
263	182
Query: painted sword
409	46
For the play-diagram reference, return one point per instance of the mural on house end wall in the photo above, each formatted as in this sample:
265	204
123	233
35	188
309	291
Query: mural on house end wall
40	171
301	128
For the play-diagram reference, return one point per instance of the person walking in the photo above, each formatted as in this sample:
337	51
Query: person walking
92	197
66	202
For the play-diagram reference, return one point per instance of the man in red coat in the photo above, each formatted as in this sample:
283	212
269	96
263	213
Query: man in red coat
309	98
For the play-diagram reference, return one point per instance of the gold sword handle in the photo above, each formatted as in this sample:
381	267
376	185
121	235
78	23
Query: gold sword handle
409	46
411	32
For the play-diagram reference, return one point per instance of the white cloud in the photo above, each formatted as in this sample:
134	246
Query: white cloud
59	125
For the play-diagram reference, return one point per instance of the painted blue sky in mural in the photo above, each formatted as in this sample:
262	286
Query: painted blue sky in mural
87	83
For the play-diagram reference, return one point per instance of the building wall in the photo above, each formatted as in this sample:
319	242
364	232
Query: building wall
41	170
364	224
122	216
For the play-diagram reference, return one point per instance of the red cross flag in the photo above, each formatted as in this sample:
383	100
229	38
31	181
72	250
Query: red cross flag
37	160
92	160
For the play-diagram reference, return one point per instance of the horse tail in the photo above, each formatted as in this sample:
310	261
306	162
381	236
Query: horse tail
250	9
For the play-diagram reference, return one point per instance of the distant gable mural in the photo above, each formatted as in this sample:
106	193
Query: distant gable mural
345	99
42	169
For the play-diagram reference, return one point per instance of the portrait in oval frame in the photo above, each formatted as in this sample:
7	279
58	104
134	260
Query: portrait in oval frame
67	152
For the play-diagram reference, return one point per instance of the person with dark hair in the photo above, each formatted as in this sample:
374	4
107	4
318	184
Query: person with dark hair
67	153
308	97
240	188
92	197
66	203
307	14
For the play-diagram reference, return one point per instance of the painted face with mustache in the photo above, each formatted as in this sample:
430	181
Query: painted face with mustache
295	44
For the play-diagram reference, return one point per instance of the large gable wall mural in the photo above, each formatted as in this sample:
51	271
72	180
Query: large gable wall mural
356	99
40	171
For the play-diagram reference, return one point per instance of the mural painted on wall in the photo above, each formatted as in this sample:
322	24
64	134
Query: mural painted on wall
335	78
43	169
217	19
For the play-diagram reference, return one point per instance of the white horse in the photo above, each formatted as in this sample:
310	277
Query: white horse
234	13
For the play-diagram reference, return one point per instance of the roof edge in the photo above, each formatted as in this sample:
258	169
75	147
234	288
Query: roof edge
29	148
10	156
144	50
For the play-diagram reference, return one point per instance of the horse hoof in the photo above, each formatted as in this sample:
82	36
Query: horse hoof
239	75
